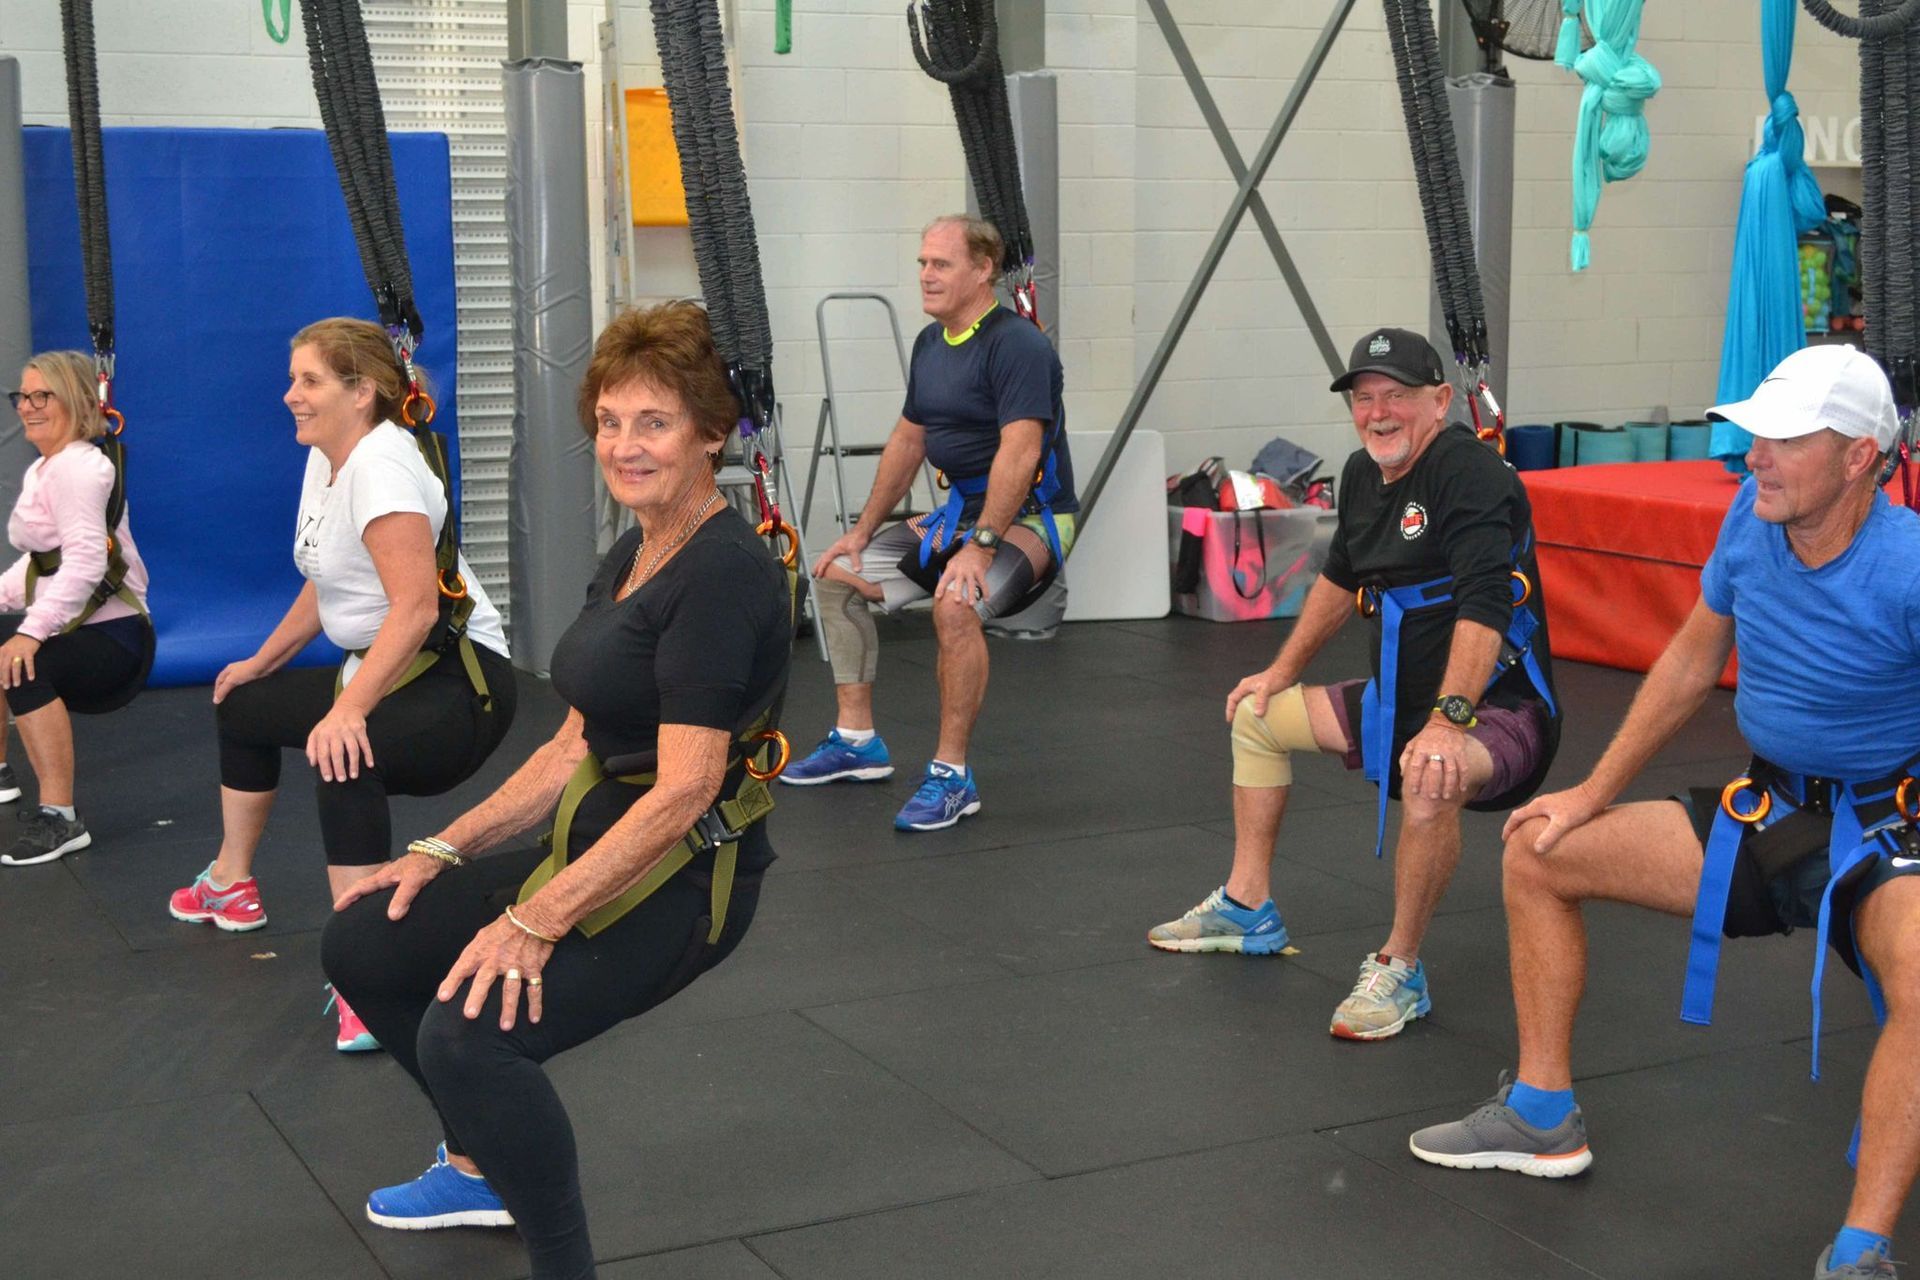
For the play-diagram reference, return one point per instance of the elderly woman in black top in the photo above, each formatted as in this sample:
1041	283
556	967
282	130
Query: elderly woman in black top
473	971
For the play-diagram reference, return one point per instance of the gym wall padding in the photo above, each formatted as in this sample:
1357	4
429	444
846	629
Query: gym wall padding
226	242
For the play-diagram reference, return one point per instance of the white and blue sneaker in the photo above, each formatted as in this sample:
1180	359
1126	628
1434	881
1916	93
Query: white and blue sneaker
1387	996
1218	925
441	1197
837	760
946	795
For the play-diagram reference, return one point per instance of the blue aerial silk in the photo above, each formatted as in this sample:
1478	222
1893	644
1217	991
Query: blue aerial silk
1610	138
1778	200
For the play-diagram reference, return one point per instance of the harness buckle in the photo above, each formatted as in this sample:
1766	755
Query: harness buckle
1816	795
1760	809
712	831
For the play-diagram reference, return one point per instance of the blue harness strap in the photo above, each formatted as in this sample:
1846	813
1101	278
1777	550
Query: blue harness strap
1848	847
1380	698
945	525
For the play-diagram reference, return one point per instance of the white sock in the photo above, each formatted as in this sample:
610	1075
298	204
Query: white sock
64	810
854	737
960	769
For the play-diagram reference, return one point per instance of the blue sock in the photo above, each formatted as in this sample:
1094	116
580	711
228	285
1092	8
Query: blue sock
1541	1108
1852	1242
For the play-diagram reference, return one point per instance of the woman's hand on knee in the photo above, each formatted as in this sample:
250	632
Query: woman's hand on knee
514	957
235	674
406	876
338	745
16	660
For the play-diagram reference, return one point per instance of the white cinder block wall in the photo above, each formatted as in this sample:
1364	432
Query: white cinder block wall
850	149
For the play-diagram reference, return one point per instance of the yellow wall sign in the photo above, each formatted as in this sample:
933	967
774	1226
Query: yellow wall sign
653	162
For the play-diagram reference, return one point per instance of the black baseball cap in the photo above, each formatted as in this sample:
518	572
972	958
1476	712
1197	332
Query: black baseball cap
1401	354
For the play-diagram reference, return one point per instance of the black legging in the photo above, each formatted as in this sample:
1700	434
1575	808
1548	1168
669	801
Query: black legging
91	664
427	737
495	1103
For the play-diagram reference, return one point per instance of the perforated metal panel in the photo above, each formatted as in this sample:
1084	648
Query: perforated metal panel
438	63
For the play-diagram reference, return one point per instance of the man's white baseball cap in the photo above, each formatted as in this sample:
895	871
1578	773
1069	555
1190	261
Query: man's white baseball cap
1837	387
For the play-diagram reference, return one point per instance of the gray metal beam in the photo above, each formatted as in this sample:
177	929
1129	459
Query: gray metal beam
1256	205
1023	34
1210	261
16	321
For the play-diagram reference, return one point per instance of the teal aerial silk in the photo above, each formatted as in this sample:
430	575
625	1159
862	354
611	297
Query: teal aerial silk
1778	200
1610	140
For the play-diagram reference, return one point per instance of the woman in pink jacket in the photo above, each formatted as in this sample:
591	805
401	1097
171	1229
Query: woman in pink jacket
70	642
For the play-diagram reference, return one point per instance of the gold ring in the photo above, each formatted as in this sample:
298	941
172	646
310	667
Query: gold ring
513	975
534	981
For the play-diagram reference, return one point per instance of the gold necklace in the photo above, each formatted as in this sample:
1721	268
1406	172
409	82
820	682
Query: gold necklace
639	575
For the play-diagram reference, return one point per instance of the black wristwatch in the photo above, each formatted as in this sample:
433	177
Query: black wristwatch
1457	710
986	538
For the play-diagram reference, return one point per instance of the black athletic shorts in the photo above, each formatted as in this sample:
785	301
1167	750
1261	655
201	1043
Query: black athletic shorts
1758	908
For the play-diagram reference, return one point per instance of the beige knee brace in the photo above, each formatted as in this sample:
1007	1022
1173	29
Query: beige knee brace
853	641
1263	745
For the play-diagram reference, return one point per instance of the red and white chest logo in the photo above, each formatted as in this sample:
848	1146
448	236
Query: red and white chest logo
1413	521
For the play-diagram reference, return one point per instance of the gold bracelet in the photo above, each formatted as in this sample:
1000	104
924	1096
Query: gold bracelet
525	928
439	850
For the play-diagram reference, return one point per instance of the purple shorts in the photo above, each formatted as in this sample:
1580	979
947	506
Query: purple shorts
1514	736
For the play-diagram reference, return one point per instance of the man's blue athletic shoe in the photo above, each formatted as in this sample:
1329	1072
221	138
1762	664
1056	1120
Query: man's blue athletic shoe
837	760
441	1197
1218	925
944	797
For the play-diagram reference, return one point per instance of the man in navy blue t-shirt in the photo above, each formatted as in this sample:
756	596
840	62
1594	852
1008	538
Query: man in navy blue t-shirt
984	406
1813	578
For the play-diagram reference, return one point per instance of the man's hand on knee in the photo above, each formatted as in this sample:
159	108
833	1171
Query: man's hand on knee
849	544
1259	686
1564	811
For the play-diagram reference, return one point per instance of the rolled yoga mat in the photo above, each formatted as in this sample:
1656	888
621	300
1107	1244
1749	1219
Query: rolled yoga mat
1531	447
1568	449
1649	441
1689	440
1600	444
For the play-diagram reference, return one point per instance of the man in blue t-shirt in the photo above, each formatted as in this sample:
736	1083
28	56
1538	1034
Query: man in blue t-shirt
984	406
1813	578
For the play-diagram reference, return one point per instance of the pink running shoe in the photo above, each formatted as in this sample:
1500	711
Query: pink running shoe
354	1036
235	908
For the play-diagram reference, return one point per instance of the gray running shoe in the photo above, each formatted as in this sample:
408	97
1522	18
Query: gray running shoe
1869	1266
1495	1137
44	836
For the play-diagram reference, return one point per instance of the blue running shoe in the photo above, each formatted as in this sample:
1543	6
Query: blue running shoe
1218	925
837	760
441	1197
944	797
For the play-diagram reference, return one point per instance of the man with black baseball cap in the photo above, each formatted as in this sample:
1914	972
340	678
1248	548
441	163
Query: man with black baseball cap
1434	546
1812	577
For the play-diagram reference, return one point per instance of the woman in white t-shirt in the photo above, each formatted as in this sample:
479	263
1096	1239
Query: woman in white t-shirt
371	513
76	631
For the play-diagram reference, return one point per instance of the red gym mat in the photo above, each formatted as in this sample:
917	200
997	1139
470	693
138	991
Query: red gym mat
1620	553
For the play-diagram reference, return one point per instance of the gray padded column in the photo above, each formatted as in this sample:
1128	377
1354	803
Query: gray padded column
551	512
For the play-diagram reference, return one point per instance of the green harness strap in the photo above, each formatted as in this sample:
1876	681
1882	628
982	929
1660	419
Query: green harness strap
751	802
418	667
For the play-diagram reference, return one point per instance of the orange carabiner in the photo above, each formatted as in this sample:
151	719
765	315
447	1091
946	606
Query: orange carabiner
1526	587
1495	437
458	589
406	408
940	478
1363	604
1755	814
117	418
779	765
770	529
1903	800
